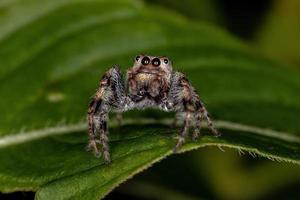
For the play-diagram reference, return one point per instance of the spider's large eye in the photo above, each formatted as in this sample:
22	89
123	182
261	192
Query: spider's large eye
166	61
145	60
156	62
137	58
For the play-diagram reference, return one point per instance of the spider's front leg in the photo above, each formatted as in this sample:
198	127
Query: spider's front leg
109	96
185	100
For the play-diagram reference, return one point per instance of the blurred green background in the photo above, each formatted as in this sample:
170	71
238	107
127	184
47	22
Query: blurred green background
271	28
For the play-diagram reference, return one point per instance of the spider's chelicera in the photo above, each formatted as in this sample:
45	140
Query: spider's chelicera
150	83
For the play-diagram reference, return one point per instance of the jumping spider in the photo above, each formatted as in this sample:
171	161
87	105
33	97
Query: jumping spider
150	83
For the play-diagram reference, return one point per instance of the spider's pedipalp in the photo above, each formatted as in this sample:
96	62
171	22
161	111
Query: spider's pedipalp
109	96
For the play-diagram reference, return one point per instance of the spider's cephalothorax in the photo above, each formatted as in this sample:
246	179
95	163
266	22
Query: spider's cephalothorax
151	82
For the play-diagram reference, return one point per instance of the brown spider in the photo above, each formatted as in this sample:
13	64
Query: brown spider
150	83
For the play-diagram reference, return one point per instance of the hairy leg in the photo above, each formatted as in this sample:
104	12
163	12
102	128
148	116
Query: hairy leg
184	131
109	96
197	125
185	99
93	120
210	124
104	135
200	114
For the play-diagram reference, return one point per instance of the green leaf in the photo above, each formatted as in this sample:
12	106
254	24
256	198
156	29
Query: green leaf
263	178
204	10
51	64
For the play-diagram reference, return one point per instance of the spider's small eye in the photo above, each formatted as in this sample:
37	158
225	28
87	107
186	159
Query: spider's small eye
137	58
156	62
145	60
166	61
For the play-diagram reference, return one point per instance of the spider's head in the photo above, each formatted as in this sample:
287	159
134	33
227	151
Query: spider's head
152	64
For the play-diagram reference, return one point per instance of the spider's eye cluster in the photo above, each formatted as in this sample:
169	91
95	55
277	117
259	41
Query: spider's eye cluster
145	60
137	58
156	62
166	61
